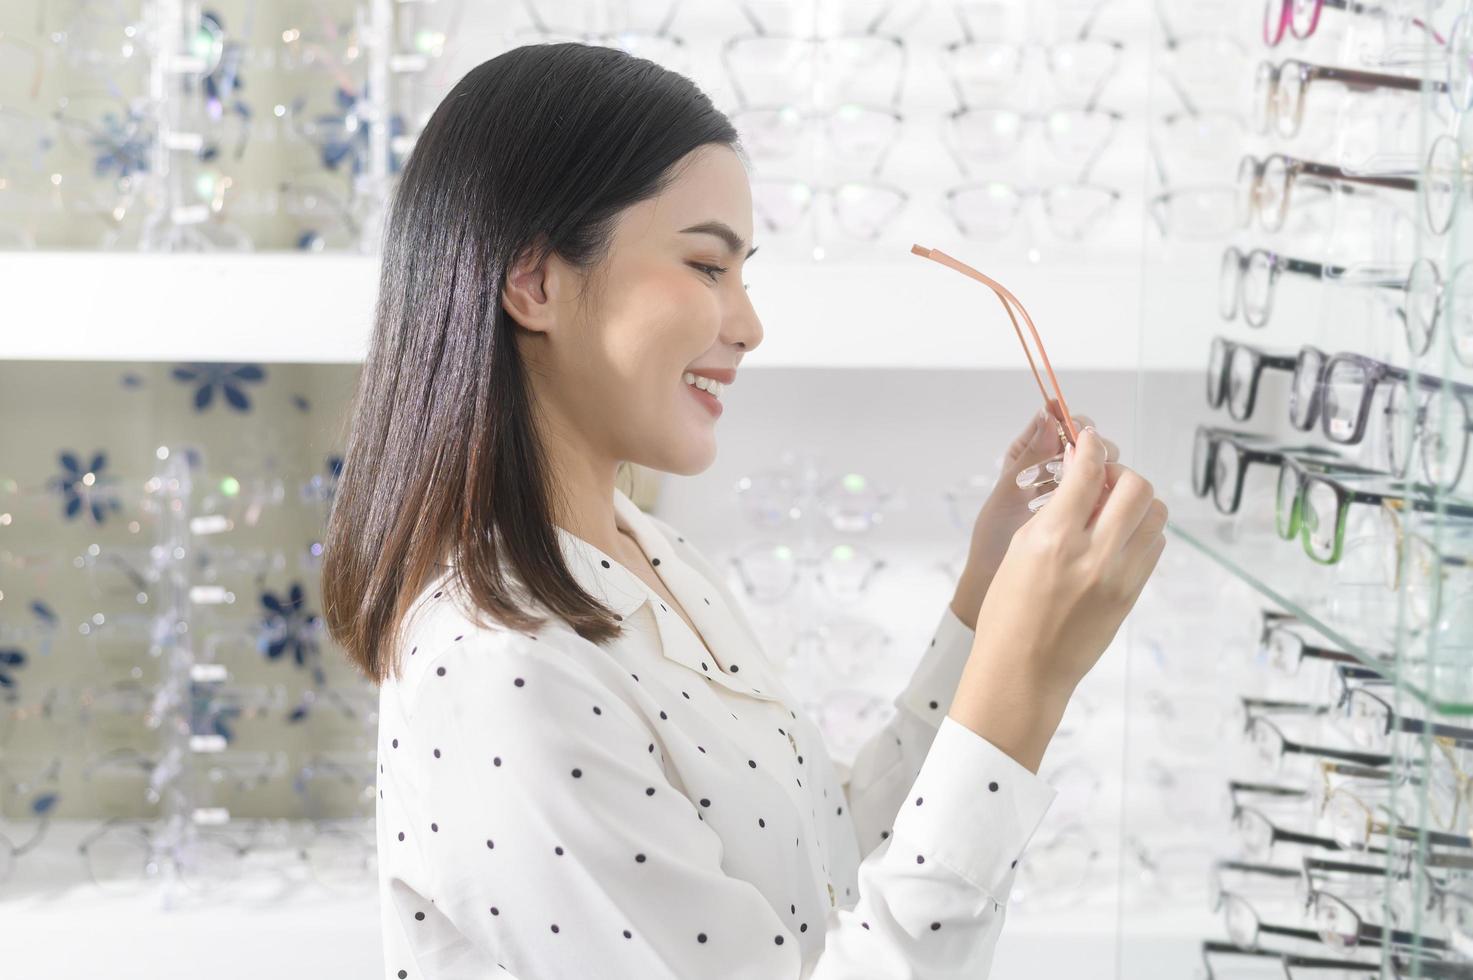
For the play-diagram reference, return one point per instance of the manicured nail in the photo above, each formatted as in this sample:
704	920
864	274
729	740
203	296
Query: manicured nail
1064	463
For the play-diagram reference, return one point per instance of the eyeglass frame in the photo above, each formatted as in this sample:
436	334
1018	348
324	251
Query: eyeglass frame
1286	19
1022	192
1113	116
1392	829
1349	77
1050	51
1259	926
1278	264
1248	454
1376	373
1262	359
1305	648
1459	736
1368	933
1253	171
1289	746
1292	524
1290	961
1066	430
1277	834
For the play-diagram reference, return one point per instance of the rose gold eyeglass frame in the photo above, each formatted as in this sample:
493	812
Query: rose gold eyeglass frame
1066	430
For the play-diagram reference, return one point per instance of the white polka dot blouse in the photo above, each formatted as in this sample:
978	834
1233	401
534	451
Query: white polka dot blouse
662	808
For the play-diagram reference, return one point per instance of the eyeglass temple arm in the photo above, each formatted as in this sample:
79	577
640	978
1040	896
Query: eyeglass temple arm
1290	932
1005	297
1351	78
1346	755
1324	963
1295	837
1416	726
1314	865
1435	969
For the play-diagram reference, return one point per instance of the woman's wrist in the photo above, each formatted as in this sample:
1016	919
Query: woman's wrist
1017	713
966	601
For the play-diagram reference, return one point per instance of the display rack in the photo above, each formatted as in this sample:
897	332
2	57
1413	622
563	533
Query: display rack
1338	509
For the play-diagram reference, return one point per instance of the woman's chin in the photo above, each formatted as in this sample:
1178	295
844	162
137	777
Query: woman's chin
697	451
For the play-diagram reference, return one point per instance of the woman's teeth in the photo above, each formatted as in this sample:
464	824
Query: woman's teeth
705	384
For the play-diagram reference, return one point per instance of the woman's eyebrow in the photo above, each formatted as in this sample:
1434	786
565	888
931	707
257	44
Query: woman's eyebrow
723	231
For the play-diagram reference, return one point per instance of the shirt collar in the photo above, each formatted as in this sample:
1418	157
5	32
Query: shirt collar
599	574
738	662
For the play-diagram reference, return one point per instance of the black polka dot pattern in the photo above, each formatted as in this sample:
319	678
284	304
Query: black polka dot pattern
558	868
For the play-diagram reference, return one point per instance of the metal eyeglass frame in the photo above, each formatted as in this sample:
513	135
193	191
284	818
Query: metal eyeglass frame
1261	731
1364	933
1066	430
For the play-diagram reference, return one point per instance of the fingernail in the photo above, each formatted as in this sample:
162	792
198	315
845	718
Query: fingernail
1064	463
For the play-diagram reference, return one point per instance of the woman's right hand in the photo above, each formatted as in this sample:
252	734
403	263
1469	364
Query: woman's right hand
1065	584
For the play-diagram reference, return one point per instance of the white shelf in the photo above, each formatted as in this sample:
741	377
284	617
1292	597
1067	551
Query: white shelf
291	307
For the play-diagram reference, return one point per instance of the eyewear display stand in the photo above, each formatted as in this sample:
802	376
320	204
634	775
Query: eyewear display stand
1323	479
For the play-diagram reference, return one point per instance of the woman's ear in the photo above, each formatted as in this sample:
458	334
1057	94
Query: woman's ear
525	295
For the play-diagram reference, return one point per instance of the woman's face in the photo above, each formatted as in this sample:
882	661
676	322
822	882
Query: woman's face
609	379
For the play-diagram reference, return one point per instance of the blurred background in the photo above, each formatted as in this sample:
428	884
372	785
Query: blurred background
191	201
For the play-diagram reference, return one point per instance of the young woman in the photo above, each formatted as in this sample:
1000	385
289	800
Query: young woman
587	766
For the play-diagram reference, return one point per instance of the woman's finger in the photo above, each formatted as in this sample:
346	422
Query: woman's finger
1112	451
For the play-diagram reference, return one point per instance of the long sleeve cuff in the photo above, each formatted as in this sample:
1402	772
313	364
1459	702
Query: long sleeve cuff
973	807
932	684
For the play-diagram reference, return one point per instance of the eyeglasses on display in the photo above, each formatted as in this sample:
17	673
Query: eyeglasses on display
1279	89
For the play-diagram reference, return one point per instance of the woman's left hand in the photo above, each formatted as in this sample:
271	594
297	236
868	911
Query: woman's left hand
1028	471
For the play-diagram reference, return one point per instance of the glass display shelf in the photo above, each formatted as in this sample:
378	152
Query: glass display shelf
1442	683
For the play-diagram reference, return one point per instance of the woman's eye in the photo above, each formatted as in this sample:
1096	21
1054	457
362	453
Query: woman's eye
714	271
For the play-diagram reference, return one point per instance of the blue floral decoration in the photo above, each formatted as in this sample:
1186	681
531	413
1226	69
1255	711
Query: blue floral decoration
290	627
44	613
223	84
229	378
97	497
334	474
209	717
9	660
352	122
121	144
301	403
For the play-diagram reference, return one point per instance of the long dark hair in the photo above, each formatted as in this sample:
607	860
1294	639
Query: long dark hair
533	152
